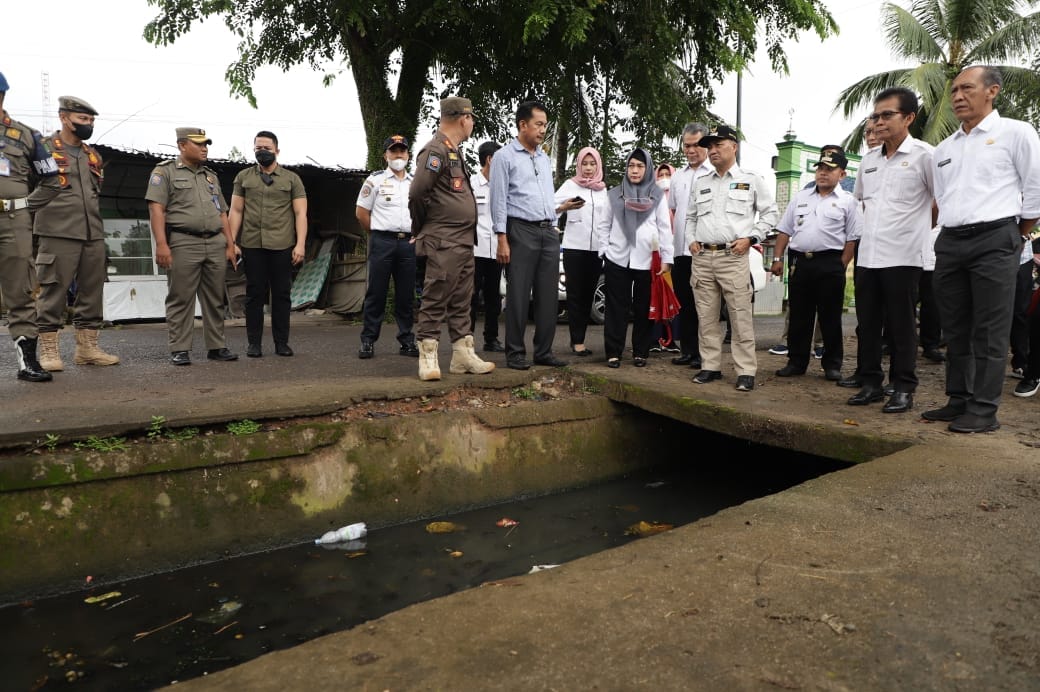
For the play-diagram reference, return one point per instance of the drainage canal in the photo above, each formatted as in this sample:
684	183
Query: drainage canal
155	630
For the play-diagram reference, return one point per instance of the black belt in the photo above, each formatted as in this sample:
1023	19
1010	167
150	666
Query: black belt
398	234
188	231
715	247
540	224
981	227
814	253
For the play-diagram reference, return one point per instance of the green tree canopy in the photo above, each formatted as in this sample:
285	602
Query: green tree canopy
600	66
941	38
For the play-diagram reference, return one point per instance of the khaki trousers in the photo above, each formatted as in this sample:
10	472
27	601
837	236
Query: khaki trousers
17	273
447	292
198	269
718	274
59	262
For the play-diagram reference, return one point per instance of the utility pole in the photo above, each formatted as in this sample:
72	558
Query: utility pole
45	86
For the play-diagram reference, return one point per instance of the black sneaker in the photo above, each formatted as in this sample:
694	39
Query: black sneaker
180	358
1027	387
367	350
221	354
745	383
706	376
494	347
410	350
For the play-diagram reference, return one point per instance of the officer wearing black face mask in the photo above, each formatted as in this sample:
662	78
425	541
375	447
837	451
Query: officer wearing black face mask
67	222
269	223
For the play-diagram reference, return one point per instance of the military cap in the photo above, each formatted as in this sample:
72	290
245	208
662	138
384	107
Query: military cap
717	135
195	134
73	104
456	105
3	83
395	141
833	160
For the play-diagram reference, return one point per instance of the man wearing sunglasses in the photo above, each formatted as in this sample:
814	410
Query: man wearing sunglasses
987	185
895	186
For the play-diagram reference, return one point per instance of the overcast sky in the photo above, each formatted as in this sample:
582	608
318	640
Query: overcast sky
143	92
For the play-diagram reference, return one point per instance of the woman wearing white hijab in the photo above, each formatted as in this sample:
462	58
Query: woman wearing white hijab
640	213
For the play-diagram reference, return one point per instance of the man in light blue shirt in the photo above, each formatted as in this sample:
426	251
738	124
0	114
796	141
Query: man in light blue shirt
523	217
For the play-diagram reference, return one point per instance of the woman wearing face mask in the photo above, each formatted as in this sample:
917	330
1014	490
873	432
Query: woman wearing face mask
584	199
639	215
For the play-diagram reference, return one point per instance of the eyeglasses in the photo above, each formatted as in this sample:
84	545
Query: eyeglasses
883	115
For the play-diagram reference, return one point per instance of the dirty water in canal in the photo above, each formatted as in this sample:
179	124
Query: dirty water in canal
152	631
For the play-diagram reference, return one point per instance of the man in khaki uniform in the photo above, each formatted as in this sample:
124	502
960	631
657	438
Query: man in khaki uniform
23	163
67	221
193	242
269	223
444	222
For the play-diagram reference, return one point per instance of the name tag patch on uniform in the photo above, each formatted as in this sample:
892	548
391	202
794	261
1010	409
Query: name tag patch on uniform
944	163
433	163
705	191
870	170
803	205
156	180
740	186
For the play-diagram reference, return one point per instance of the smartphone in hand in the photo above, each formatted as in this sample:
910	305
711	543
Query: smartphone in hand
580	201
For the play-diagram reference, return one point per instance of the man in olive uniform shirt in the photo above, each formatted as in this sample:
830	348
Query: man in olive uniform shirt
67	221
444	221
23	162
269	223
193	242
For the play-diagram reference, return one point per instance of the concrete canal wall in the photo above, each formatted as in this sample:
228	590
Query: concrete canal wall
160	505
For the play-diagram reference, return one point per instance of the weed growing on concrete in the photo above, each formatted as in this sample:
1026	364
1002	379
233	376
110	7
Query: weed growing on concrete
528	393
158	430
102	444
243	427
51	441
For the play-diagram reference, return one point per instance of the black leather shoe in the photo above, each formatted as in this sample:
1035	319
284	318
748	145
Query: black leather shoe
29	368
282	350
518	364
494	347
696	364
832	375
409	349
789	371
639	362
867	395
550	360
745	383
889	389
367	350
221	354
706	376
180	358
970	423
254	351
684	359
934	355
852	382
583	353
947	413
899	402
613	362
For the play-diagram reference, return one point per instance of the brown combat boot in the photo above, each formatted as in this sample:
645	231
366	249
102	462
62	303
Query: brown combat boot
50	354
88	352
464	359
428	367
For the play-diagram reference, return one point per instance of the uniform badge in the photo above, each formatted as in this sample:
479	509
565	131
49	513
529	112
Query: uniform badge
905	164
209	179
990	141
366	190
456	184
13	133
433	163
740	186
156	180
452	156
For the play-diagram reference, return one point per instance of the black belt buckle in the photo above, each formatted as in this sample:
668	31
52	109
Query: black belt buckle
544	224
401	236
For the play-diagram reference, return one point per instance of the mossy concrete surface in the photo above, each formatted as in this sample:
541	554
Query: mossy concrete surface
160	506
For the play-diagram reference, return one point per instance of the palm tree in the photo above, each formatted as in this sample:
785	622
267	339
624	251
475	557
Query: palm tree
943	37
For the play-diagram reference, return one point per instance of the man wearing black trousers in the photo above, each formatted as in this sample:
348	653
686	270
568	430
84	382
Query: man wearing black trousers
487	272
682	182
895	186
523	217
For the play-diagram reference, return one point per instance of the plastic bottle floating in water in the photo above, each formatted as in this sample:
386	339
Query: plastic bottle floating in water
351	532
